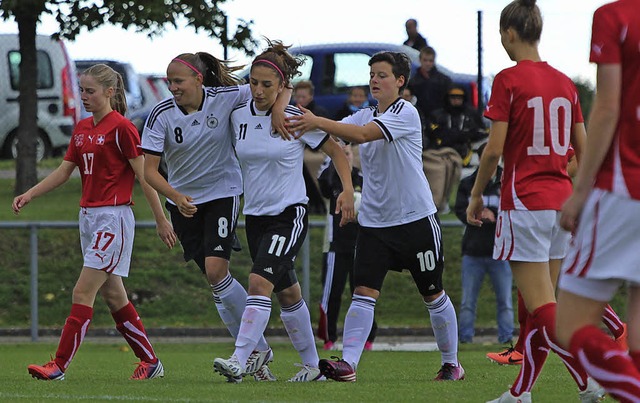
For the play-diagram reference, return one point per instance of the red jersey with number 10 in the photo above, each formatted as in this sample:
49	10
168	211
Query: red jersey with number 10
615	39
541	106
102	153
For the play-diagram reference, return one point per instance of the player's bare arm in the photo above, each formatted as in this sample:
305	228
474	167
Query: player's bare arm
278	118
52	181
345	201
351	133
163	226
160	184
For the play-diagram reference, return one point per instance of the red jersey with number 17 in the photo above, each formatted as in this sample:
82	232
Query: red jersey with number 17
615	39
102	153
541	106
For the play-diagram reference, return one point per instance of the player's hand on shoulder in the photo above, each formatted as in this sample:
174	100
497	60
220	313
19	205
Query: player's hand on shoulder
300	124
278	124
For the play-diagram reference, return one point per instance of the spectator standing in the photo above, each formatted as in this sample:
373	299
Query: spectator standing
399	228
429	85
106	149
604	209
303	92
408	96
356	101
414	39
338	261
477	260
451	130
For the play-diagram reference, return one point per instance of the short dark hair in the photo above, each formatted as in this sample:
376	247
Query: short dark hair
400	65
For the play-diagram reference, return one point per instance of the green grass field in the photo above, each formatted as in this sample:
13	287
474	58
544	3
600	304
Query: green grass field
100	373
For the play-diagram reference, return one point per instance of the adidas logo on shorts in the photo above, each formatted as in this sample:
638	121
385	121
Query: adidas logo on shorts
218	249
269	270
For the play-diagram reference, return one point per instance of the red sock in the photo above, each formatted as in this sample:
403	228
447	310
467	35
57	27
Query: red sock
523	316
535	352
73	333
610	366
635	356
547	315
612	321
130	326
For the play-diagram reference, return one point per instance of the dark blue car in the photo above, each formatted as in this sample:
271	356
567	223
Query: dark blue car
335	68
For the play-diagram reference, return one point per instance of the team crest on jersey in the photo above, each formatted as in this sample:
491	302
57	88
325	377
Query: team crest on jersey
212	122
274	134
100	140
79	139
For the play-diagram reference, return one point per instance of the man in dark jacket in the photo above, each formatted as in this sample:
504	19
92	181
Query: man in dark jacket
451	130
477	260
429	85
414	39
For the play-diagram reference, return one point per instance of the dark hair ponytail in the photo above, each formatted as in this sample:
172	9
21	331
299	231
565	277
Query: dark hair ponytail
215	72
279	59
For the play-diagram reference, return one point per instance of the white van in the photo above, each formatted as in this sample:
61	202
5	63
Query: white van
58	96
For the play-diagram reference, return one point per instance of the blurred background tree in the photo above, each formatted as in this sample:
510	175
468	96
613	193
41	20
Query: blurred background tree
150	16
585	93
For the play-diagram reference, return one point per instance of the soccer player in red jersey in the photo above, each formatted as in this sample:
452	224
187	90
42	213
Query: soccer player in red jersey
604	209
106	149
535	116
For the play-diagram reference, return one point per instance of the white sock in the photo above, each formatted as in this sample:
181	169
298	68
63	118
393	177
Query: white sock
230	302
357	325
254	321
445	327
297	321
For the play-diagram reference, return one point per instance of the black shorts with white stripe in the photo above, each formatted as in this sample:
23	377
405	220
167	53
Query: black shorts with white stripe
274	242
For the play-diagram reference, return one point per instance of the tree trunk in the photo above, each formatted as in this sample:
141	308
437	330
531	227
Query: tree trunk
26	169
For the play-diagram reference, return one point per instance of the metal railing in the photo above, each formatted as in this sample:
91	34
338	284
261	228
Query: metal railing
33	227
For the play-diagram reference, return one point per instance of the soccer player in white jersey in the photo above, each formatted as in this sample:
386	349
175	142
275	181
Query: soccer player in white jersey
190	131
106	149
399	228
604	209
536	115
275	202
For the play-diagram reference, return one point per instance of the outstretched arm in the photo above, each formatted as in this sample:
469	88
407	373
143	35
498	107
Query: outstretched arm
163	226
351	133
52	181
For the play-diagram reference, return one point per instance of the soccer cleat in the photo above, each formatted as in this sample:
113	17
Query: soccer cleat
147	370
264	374
368	345
47	372
508	357
507	397
593	393
338	370
622	340
307	374
450	372
230	368
256	360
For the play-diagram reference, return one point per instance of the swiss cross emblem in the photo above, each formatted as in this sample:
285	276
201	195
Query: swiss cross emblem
100	140
79	139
